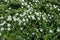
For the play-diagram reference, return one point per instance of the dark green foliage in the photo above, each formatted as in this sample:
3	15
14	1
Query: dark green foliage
29	19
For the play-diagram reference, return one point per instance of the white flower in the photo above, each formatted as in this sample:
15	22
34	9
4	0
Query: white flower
28	6
25	3
28	37
30	12
24	13
22	3
27	19
0	34
58	9
27	33
8	25
59	13
38	18
21	28
22	0
44	18
2	23
58	29
33	17
47	5
2	29
21	15
5	0
48	14
41	29
23	19
52	16
9	7
44	14
37	13
51	7
50	4
35	0
24	23
18	19
33	33
37	30
14	18
29	16
29	2
8	28
1	17
9	18
19	22
16	14
55	6
50	31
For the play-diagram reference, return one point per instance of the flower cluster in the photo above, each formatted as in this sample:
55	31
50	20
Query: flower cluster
29	19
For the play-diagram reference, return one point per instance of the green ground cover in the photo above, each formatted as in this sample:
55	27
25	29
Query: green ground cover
29	19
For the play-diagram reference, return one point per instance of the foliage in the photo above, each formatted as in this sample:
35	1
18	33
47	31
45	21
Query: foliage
29	19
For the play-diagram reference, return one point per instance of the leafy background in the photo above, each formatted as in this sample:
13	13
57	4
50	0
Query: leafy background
29	19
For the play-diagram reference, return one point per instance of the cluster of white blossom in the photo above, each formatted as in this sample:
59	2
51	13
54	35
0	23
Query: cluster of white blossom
26	15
